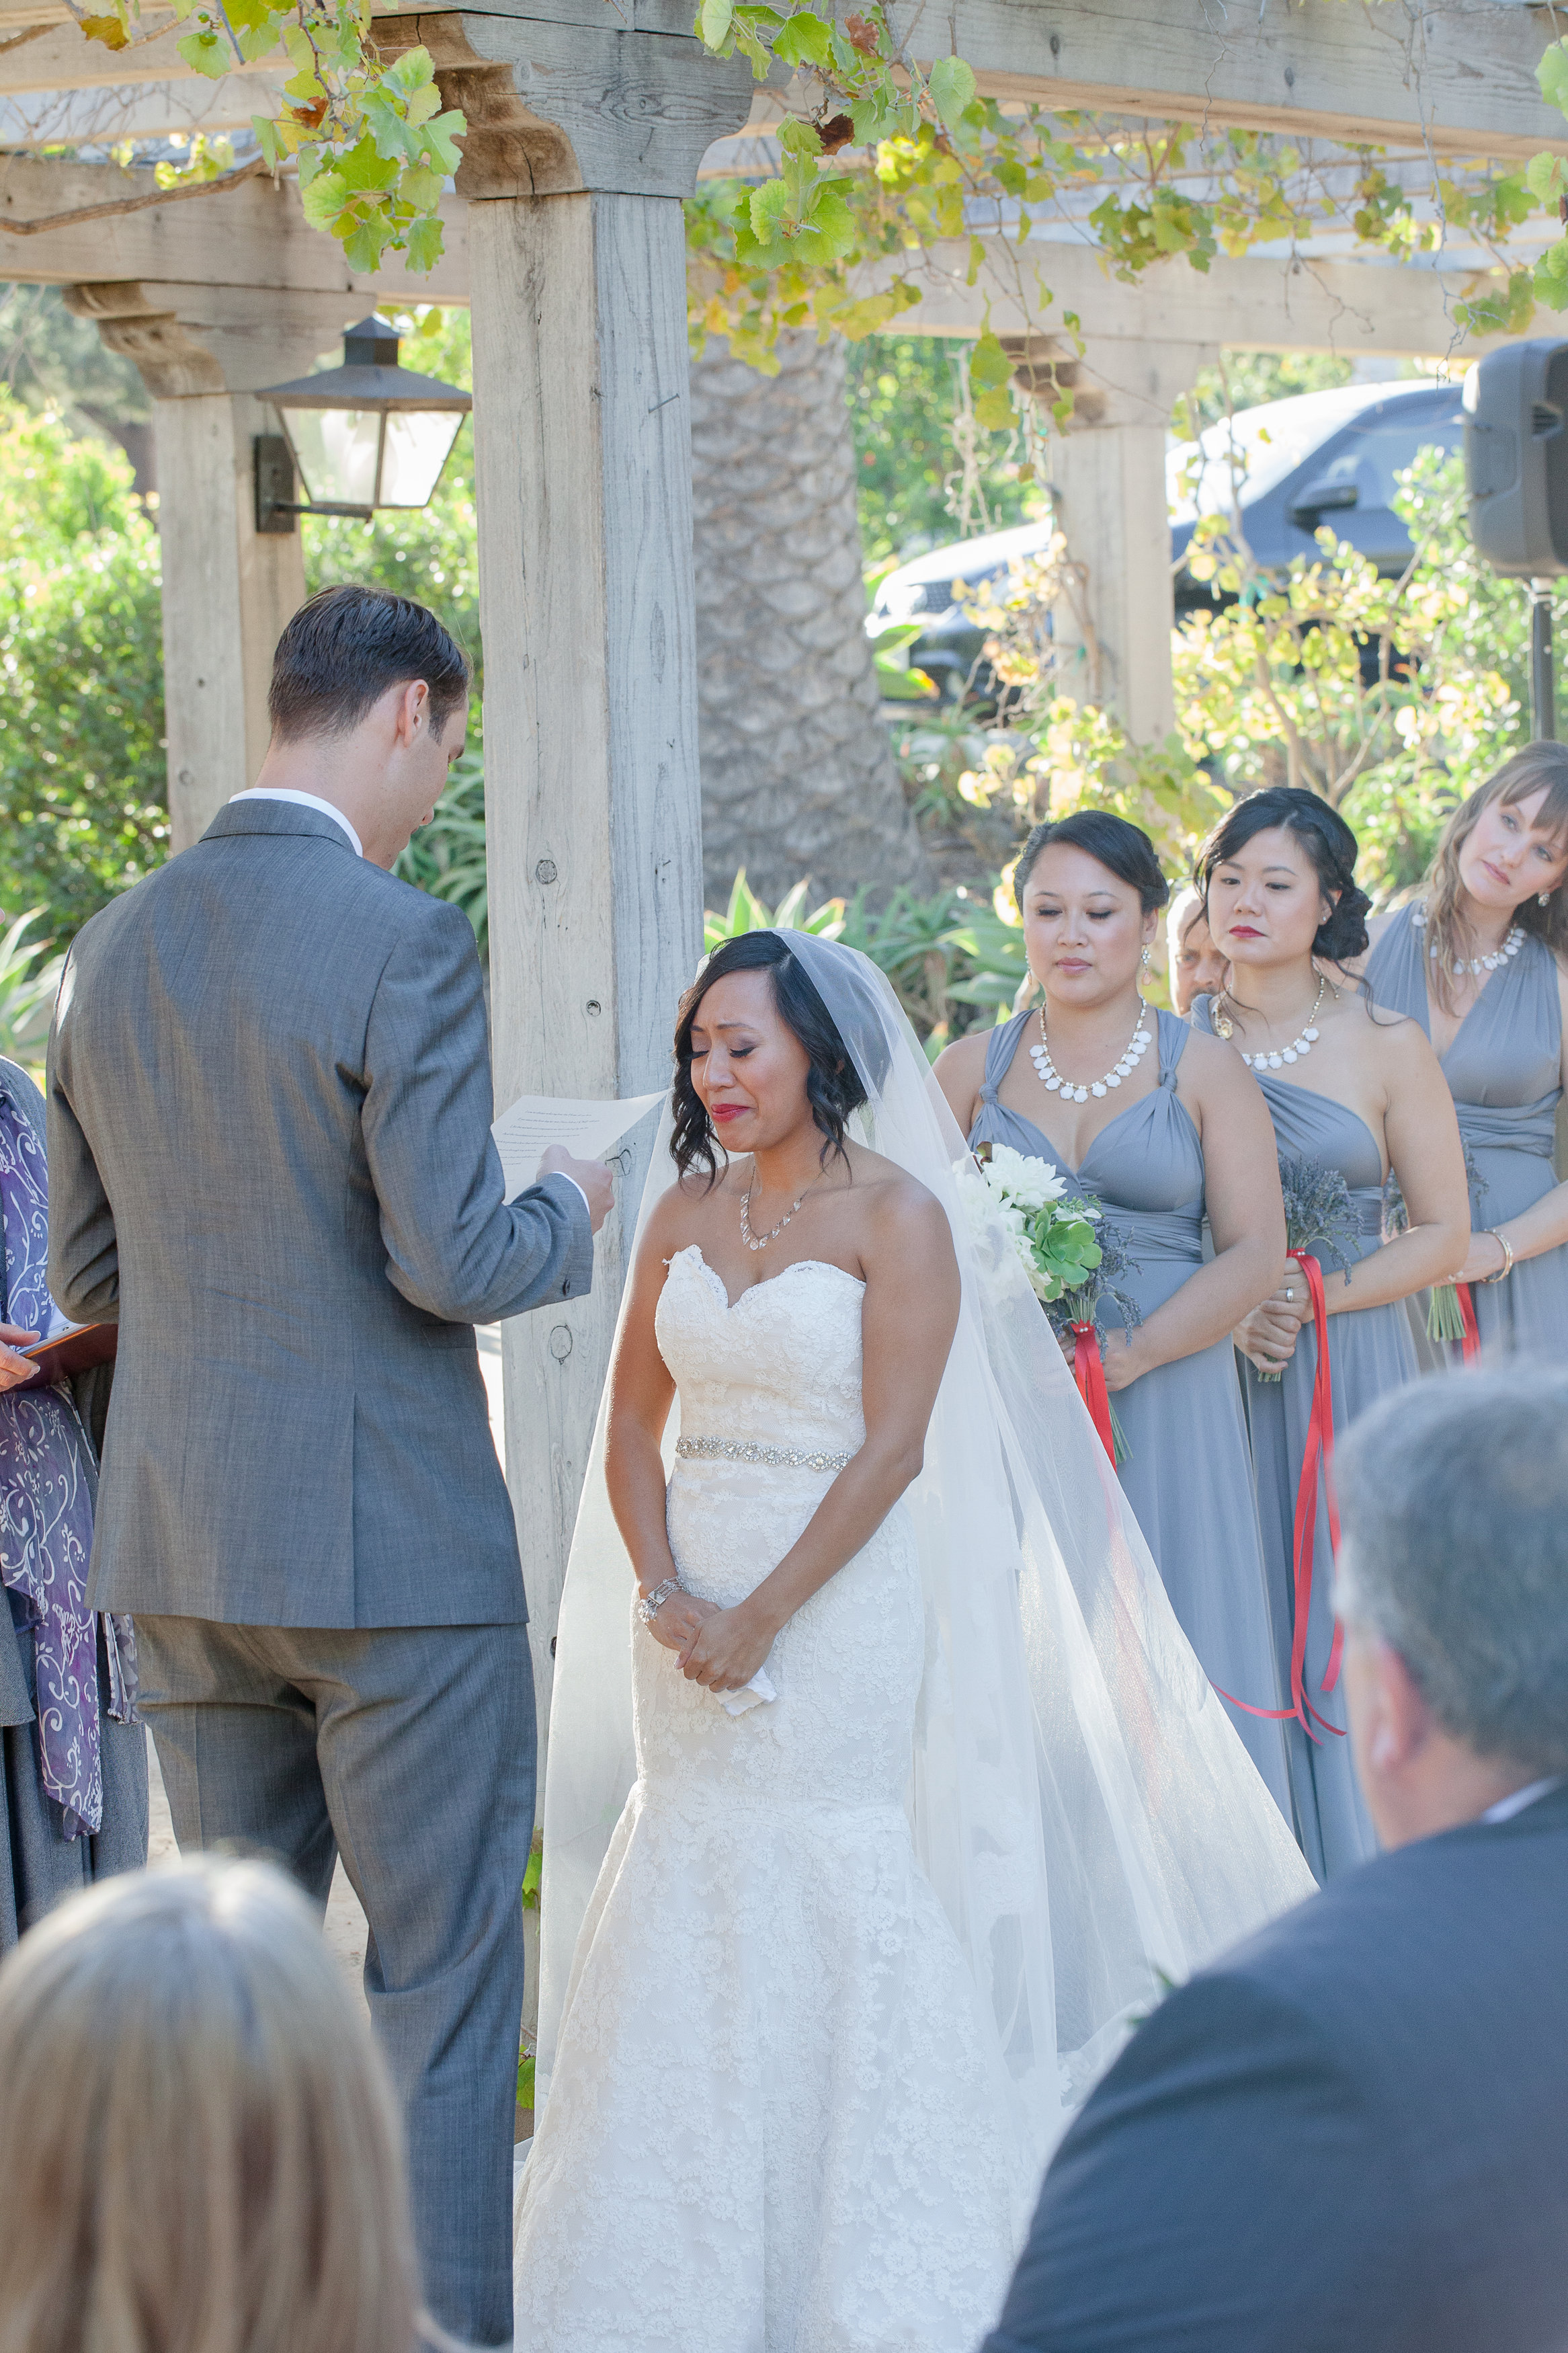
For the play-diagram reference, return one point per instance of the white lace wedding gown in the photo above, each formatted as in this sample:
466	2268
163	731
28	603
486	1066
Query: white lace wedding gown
772	2126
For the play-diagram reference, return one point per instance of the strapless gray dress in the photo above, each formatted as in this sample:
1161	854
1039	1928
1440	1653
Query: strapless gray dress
1504	1072
1187	1475
1370	1352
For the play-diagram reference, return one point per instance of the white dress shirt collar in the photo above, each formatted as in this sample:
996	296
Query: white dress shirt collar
1516	1801
303	800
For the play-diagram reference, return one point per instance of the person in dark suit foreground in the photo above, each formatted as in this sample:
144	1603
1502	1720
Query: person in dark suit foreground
1353	2131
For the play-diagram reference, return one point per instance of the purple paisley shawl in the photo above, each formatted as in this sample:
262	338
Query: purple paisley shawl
45	1512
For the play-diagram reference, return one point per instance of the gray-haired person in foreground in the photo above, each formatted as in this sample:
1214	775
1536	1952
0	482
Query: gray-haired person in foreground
270	1161
1353	2131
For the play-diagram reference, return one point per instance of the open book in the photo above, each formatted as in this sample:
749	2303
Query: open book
76	1348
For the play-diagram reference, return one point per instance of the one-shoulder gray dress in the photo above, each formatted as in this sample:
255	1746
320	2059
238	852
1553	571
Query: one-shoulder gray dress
1187	1475
1504	1072
1370	1352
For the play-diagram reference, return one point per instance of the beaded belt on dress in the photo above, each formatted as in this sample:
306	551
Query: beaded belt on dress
775	1458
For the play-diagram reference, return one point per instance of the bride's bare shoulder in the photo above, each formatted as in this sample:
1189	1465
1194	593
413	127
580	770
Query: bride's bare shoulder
687	1207
897	1206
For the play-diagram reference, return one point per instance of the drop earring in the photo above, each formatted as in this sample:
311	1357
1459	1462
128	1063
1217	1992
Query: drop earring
1145	958
1541	898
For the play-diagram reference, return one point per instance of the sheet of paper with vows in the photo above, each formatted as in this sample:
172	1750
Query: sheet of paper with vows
587	1129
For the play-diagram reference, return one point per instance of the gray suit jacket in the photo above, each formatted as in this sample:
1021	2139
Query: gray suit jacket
270	1157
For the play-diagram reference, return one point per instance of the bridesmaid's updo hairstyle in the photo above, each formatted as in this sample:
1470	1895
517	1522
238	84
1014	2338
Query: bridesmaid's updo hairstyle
1126	850
1328	842
833	1086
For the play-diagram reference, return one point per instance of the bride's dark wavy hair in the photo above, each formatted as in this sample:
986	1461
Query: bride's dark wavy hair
833	1086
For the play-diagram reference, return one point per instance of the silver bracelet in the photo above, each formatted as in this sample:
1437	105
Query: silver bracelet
1506	1268
652	1603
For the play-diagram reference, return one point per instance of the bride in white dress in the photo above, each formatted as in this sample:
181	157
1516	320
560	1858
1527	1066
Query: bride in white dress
854	1948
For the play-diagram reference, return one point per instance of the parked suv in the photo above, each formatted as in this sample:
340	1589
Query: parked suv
1321	458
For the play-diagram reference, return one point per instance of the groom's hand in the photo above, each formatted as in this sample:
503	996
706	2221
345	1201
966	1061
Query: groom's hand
591	1177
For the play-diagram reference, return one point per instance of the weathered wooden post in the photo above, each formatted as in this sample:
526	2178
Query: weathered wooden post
1108	472
583	140
227	588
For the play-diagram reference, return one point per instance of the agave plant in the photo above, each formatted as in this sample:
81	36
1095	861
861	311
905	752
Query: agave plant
746	913
29	983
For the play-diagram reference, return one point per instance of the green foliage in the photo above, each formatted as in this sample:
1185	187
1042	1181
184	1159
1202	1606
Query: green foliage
904	402
447	857
364	125
54	360
746	913
82	806
532	1878
937	952
892	160
29	983
1392	698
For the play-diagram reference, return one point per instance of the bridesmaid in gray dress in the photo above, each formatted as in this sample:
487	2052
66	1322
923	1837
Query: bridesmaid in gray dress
1479	962
1161	1133
1353	1090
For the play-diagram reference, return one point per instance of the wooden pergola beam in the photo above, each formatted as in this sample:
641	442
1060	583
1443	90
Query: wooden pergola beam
1457	77
201	256
1400	309
157	110
255	236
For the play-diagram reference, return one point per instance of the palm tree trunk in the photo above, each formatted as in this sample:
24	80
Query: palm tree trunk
797	771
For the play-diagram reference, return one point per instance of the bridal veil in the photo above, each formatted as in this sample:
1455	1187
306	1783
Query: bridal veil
1078	1799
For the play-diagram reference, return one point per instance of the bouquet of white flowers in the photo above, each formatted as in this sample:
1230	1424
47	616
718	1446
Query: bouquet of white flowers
1055	1238
1071	1257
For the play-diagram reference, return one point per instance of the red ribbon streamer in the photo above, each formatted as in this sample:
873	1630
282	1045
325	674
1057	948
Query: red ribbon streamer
1089	1374
1470	1346
1319	1453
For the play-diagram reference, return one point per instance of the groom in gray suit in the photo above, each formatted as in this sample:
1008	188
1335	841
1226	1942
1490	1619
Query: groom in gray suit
270	1161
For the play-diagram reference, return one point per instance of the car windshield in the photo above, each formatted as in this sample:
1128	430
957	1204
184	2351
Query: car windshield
1260	447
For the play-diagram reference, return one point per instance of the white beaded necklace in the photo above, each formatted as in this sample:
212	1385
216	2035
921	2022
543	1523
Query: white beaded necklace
1296	1051
1071	1092
1473	965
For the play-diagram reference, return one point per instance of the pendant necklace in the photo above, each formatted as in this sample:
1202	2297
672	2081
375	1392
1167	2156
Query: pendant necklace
1299	1048
746	1234
1052	1078
1475	966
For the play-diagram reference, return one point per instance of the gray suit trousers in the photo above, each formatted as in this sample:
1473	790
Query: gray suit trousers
409	1751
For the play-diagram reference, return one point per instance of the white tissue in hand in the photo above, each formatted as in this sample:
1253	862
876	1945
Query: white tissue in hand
759	1688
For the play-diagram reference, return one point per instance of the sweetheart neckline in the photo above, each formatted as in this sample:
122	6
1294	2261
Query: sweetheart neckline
695	1249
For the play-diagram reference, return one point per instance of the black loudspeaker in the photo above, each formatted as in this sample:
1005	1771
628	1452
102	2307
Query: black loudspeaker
1516	458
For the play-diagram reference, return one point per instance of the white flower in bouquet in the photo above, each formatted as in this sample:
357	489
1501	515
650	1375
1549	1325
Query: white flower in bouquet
1017	1176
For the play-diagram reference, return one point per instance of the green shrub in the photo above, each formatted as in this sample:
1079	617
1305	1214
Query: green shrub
82	806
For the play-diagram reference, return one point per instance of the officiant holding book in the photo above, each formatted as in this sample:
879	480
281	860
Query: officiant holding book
269	1131
73	1761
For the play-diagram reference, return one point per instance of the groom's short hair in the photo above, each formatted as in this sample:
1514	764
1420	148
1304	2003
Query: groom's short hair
345	647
